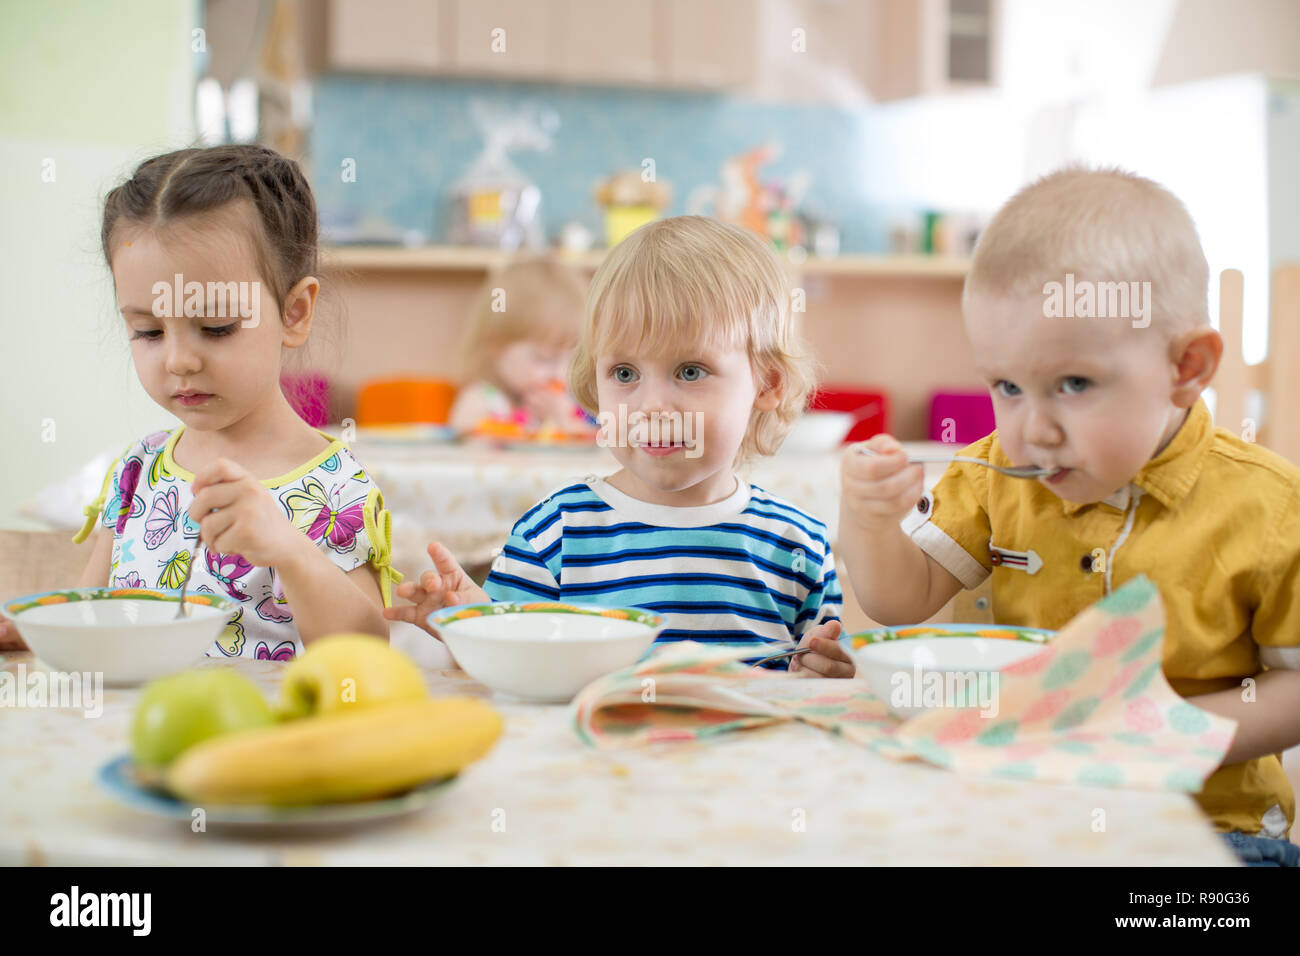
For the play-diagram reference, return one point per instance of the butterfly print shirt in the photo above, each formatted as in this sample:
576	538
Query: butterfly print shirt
145	503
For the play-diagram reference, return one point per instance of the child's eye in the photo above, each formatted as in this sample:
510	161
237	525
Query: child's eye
149	334
1074	384
623	374
692	373
1005	388
217	331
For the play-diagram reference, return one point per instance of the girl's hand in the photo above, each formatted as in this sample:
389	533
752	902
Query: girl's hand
827	658
10	640
878	491
446	586
237	515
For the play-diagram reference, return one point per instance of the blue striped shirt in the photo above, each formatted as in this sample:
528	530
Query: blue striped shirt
751	569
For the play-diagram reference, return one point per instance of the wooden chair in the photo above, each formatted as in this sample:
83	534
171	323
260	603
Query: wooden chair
1276	379
33	561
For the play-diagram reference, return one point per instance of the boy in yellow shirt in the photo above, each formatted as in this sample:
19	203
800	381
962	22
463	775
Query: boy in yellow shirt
1086	310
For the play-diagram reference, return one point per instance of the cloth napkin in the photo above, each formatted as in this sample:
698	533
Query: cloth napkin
1091	708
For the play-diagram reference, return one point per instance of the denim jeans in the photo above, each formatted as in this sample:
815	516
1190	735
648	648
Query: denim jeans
1262	851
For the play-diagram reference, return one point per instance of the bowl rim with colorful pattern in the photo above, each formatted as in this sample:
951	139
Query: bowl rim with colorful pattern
461	612
15	607
988	632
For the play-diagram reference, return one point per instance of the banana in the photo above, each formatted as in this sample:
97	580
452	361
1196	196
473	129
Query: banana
347	672
347	756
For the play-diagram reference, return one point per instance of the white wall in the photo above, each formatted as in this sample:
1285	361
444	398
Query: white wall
1284	171
1077	85
94	88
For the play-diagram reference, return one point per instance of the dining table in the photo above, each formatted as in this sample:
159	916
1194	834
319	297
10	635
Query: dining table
781	795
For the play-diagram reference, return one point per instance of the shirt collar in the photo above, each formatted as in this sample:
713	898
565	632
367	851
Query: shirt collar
1170	475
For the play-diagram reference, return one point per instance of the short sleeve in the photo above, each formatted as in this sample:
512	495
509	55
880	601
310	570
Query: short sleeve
824	602
374	545
951	522
350	540
97	512
1276	624
520	574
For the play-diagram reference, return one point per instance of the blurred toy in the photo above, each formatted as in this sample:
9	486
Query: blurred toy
493	203
309	395
769	209
630	202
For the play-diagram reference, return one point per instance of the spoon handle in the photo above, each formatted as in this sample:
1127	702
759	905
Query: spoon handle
776	657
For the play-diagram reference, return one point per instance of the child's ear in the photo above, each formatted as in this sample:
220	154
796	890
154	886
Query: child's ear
771	392
1195	355
299	310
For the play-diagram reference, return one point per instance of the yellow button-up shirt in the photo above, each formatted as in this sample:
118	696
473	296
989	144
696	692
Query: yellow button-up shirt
1213	520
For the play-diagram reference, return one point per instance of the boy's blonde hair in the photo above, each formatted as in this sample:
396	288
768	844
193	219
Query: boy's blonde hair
691	279
1102	225
535	299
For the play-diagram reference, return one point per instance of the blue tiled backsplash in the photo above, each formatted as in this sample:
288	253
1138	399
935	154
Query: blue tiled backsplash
412	138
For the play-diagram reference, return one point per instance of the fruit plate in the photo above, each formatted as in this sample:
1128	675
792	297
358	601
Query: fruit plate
123	782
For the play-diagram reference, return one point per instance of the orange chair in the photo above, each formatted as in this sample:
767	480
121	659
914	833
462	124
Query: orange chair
397	401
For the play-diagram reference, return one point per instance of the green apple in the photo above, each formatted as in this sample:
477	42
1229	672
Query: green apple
177	712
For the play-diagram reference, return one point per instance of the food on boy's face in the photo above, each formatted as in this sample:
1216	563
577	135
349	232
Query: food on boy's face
208	370
1092	398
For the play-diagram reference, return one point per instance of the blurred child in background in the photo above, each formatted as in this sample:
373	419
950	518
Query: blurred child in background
516	350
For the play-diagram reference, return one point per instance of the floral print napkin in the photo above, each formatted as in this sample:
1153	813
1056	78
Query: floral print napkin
1091	708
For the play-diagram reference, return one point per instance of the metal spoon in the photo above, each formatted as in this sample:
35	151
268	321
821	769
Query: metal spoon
776	657
1015	471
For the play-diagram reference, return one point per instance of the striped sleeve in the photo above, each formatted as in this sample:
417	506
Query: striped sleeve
824	602
528	567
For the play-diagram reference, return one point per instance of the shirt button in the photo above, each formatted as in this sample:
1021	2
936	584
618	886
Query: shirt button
1086	562
923	506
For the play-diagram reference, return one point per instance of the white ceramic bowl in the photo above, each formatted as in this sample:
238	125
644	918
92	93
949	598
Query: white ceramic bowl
897	663
818	431
129	635
544	652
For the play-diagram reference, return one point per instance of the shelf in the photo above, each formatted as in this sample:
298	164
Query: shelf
472	259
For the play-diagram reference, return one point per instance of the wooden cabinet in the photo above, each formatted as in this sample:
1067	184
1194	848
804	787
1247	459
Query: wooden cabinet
709	44
932	46
606	41
683	43
387	36
506	37
843	52
815	51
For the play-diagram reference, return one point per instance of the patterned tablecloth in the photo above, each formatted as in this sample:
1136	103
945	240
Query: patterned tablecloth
469	497
785	795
